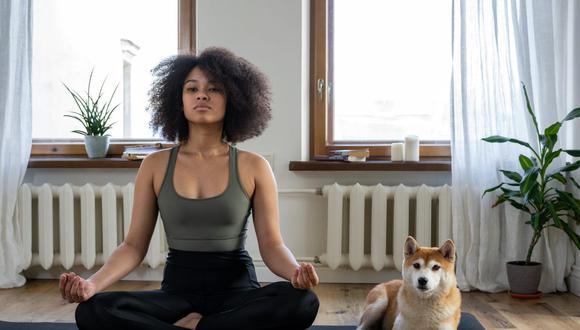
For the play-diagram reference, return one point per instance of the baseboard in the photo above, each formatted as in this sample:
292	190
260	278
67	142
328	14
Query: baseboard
574	280
340	275
144	273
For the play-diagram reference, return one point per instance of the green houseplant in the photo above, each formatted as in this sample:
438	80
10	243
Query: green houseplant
533	189
94	113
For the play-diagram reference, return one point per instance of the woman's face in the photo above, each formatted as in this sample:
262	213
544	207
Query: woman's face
204	100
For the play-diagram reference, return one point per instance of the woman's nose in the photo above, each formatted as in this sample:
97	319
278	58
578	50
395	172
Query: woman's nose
201	96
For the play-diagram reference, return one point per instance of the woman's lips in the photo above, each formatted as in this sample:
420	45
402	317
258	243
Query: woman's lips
202	108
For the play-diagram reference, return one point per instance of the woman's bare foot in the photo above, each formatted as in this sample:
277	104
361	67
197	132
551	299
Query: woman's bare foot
190	321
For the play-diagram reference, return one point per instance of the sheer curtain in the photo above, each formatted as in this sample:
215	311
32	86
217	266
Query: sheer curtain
15	129
496	46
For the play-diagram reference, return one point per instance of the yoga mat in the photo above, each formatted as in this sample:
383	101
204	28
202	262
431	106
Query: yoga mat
468	322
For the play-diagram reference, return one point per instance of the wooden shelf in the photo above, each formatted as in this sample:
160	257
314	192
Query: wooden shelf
76	161
426	164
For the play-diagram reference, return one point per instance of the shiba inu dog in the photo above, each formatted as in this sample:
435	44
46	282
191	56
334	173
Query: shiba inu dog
426	298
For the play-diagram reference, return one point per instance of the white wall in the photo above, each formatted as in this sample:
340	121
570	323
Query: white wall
272	34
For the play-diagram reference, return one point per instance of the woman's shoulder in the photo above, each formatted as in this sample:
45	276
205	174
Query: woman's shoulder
252	161
156	160
251	158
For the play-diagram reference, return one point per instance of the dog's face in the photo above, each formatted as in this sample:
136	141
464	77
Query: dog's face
428	270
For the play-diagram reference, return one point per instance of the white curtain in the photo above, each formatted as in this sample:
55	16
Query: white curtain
497	44
15	129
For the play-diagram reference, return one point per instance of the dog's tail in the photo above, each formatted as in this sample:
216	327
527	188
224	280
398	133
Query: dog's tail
373	314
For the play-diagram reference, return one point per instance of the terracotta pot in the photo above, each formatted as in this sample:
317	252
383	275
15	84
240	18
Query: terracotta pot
524	278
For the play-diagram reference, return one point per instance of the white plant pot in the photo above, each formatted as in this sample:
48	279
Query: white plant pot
96	146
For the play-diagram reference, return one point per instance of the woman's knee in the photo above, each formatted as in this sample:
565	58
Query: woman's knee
91	314
86	315
302	305
308	306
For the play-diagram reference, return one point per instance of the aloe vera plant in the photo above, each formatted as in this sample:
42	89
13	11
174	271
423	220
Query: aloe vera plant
94	113
529	188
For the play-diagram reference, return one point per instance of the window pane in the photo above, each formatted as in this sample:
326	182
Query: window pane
392	69
121	40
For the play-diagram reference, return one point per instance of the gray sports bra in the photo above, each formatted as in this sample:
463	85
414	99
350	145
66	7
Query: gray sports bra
217	223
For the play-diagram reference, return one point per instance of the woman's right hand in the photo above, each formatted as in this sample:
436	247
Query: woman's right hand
75	288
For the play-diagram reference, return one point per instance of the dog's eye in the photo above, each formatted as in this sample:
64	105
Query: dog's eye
416	265
436	267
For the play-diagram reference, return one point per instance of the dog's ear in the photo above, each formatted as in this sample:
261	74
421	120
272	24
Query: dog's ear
411	246
448	250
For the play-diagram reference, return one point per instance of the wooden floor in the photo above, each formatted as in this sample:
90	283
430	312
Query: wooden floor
39	300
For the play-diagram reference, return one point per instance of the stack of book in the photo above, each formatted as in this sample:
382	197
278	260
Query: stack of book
138	152
349	155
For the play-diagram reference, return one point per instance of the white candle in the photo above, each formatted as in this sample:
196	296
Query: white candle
412	148
397	152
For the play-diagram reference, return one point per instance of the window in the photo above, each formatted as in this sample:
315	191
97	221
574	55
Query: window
121	40
381	70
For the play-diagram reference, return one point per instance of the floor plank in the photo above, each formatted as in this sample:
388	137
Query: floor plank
40	301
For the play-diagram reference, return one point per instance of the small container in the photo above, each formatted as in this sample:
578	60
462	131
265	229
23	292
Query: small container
397	152
412	148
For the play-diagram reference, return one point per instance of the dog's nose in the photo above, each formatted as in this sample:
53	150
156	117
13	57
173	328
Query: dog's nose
422	281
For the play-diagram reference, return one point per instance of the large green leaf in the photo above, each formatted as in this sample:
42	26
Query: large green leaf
551	141
511	193
530	110
553	215
571	233
533	195
519	206
492	189
502	139
570	167
558	176
525	162
553	129
529	180
573	152
500	199
572	114
570	201
575	183
551	156
514	176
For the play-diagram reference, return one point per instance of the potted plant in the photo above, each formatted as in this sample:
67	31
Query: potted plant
94	114
534	190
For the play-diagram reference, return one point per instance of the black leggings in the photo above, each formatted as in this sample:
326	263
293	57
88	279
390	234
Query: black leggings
221	286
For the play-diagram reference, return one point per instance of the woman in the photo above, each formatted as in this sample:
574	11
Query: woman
205	189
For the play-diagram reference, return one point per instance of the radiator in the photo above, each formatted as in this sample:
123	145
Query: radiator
82	201
347	221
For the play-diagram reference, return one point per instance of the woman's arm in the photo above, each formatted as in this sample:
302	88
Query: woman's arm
266	217
129	254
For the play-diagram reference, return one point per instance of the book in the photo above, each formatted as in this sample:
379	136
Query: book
138	152
349	155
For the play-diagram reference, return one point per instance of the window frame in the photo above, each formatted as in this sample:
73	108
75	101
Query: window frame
187	41
321	107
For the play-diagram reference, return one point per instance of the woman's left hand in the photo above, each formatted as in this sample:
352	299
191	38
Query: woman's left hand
304	277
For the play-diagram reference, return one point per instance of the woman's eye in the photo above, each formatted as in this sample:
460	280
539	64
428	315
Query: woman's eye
192	89
436	267
416	265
